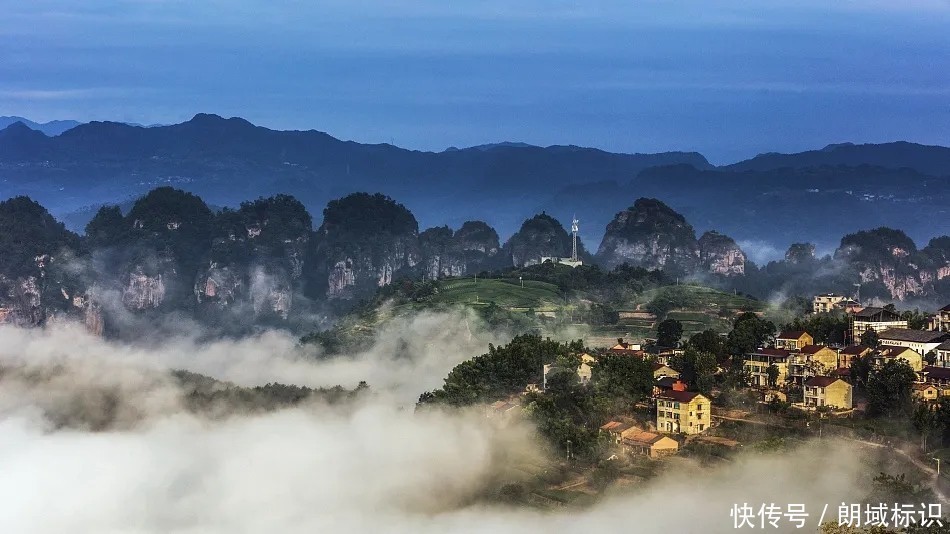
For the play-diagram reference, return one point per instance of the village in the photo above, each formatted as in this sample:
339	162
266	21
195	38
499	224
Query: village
881	388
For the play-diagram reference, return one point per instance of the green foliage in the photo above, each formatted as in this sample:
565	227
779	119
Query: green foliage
897	488
928	421
669	332
27	230
363	217
915	319
826	328
697	369
870	339
500	372
620	377
889	389
748	333
709	341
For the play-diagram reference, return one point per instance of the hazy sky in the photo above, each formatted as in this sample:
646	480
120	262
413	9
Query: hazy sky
729	79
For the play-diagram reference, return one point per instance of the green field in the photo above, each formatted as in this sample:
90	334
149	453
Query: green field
505	293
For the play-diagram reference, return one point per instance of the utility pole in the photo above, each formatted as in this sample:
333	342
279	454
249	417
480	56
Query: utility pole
569	453
521	279
574	229
938	465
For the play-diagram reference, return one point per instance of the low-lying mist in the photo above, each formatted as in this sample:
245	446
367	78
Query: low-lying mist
372	465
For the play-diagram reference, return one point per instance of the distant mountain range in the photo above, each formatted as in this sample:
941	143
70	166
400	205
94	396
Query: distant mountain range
765	203
50	128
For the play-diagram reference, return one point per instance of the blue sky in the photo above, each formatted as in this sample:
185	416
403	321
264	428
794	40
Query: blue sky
729	79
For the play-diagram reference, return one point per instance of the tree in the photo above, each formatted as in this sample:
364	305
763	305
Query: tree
749	332
927	422
697	369
870	339
889	389
772	373
860	370
669	332
709	341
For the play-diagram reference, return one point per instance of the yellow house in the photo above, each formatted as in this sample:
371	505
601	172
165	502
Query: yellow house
758	363
827	391
811	360
793	340
660	371
926	392
848	354
911	356
683	411
639	441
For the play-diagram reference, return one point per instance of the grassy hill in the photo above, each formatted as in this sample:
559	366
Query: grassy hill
505	293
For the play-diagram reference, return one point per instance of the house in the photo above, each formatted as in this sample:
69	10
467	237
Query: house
926	392
943	354
660	371
827	302
758	362
663	354
626	349
921	341
937	376
811	360
615	430
847	355
827	391
941	321
683	411
668	383
793	340
504	409
584	372
638	441
887	354
872	318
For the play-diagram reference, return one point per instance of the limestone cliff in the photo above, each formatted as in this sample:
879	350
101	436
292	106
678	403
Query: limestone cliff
364	243
650	234
472	248
888	258
719	254
540	236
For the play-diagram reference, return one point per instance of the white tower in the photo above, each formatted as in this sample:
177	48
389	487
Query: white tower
574	229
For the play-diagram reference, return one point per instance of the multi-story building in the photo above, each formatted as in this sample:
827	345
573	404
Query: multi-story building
886	354
683	411
847	355
941	321
758	362
943	355
793	340
827	302
920	341
827	391
877	319
809	361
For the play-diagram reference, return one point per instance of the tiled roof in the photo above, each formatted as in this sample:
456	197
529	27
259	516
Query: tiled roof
812	349
944	346
821	381
913	336
870	312
854	350
940	373
791	334
772	352
679	396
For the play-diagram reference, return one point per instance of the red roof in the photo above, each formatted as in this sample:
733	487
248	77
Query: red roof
812	349
821	381
854	350
679	396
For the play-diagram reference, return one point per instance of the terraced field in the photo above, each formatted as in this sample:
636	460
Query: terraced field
541	296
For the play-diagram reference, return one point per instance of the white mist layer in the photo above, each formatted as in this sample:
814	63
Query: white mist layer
374	467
